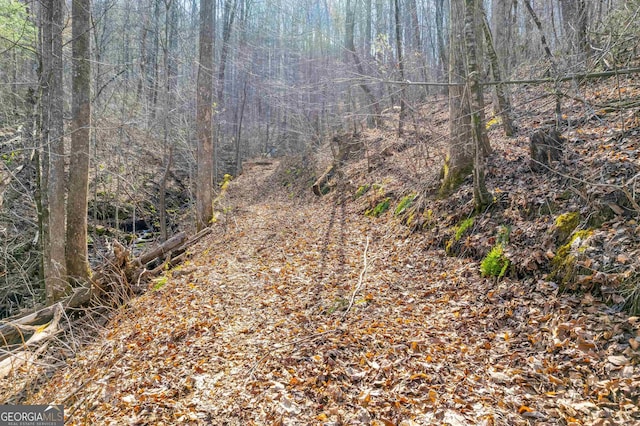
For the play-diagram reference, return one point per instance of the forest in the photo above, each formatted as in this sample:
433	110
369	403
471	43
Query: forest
279	212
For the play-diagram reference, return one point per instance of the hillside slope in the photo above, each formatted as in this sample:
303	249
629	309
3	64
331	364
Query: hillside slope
305	311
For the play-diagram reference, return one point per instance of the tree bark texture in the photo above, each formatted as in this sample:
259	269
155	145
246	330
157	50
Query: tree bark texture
503	98
204	181
481	197
54	262
76	251
459	160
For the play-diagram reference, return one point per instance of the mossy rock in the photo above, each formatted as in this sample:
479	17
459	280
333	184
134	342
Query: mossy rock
565	266
564	226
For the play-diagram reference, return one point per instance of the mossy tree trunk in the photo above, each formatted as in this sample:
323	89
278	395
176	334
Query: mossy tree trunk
459	161
481	196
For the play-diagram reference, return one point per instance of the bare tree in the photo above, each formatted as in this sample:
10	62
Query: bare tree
204	181
481	197
351	49
502	97
76	253
403	88
459	160
52	133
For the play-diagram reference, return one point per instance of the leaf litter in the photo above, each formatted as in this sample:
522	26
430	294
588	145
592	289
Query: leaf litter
302	311
258	328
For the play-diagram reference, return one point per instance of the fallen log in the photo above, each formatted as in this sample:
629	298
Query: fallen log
15	359
162	249
119	270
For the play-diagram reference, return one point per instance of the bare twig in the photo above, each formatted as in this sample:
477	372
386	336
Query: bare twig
360	281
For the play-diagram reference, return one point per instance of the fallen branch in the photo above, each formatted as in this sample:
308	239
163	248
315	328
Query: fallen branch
161	250
360	281
119	271
14	360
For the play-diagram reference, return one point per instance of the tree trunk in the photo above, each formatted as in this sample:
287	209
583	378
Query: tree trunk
238	159
503	98
421	63
550	57
351	48
367	30
54	263
574	19
403	88
442	51
502	32
204	181
481	197
77	254
459	160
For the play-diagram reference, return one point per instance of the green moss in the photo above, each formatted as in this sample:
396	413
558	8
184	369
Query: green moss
495	264
453	178
427	219
404	204
462	228
566	249
410	218
225	181
563	265
566	223
339	304
362	190
382	207
159	282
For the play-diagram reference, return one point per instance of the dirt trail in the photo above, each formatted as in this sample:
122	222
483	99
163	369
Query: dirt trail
264	327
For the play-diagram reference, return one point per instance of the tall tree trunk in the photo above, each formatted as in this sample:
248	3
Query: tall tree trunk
351	48
503	98
440	36
574	19
502	32
240	117
204	181
554	66
403	87
481	197
230	7
459	161
77	254
167	100
417	46
54	262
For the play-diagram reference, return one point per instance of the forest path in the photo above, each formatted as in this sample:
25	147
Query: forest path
264	326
